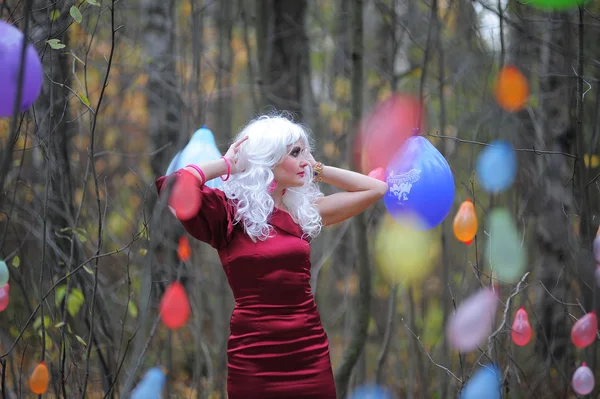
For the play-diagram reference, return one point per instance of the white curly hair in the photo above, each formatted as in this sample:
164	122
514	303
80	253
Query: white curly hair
269	137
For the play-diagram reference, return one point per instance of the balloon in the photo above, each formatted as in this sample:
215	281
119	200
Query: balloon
583	380
583	332
596	247
496	167
38	382
183	249
201	148
3	273
511	89
386	129
4	297
521	329
556	4
597	275
465	222
11	43
472	322
151	385
370	391
485	383
184	199
505	254
174	306
420	183
378	173
404	251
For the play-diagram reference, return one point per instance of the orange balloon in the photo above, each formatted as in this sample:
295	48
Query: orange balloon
465	222
174	306
511	89
38	382
183	250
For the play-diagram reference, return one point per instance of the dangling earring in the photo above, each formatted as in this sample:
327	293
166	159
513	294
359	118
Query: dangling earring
272	187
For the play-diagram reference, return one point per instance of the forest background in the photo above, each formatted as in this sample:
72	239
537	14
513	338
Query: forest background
91	249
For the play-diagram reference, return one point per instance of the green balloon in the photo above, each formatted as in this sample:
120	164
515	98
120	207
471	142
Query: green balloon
3	273
555	5
505	253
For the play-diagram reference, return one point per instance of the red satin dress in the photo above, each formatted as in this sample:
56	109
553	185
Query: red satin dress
277	347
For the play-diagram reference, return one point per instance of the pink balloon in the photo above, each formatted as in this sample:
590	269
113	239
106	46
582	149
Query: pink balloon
472	322
378	173
4	297
583	380
584	330
521	329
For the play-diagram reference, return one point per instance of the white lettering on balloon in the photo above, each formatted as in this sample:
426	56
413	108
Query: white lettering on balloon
400	185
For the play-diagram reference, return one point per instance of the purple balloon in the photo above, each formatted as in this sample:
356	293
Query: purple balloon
11	42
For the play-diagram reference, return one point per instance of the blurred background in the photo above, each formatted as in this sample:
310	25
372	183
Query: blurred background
90	247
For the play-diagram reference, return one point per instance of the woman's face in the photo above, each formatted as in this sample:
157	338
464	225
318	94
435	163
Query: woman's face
290	171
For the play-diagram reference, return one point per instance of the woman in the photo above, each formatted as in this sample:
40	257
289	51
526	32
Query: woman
261	224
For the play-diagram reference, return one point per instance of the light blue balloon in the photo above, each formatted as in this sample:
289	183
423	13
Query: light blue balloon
485	383
420	183
370	391
201	148
496	167
151	385
3	273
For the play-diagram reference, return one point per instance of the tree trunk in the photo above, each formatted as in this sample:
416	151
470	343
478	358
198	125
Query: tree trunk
363	310
283	54
544	180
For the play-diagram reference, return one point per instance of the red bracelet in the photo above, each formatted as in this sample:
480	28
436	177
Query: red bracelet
228	169
202	175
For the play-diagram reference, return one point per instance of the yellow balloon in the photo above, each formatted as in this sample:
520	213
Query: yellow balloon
405	251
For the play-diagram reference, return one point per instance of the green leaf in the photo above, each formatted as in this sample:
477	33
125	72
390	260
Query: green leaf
16	261
74	301
59	324
86	101
55	44
38	322
76	14
93	2
60	294
132	309
87	269
74	56
54	15
80	340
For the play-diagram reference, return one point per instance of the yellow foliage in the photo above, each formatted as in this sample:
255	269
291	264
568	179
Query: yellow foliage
208	81
337	124
331	150
110	137
384	93
327	109
342	89
591	162
4	128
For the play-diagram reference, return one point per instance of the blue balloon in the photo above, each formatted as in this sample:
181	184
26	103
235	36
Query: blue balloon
420	183
151	385
370	391
496	167
485	383
201	148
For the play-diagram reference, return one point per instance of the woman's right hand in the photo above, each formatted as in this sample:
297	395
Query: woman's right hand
231	155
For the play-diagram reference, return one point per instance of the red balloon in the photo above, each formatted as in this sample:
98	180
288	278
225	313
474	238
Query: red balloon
4	297
521	329
378	173
385	129
174	306
584	330
185	196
